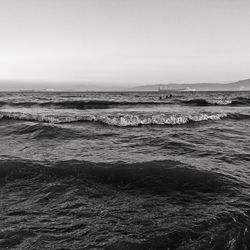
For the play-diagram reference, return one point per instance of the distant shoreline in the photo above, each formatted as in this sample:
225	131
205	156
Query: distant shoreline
242	85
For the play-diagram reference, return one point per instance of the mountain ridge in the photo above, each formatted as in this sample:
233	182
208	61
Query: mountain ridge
243	85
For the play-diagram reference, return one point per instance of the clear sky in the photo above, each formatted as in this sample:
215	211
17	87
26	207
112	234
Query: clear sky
124	41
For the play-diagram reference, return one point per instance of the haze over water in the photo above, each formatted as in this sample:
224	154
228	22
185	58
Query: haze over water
123	42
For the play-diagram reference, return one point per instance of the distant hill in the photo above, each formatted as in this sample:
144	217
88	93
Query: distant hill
95	86
235	86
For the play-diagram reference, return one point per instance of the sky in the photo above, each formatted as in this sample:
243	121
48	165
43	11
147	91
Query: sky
124	41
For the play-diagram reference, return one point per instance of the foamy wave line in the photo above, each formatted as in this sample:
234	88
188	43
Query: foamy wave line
238	101
135	120
220	102
120	120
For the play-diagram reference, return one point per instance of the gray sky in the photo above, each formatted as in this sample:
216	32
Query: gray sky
134	41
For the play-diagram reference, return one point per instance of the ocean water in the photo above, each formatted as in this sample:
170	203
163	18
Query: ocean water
125	170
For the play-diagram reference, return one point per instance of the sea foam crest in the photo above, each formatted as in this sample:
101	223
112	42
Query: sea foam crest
220	101
118	119
160	119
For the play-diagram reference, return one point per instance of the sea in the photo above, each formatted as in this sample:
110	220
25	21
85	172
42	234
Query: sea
125	170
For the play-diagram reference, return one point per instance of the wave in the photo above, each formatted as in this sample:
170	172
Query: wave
161	119
104	104
120	120
238	116
80	104
41	130
239	101
156	176
204	102
123	120
51	131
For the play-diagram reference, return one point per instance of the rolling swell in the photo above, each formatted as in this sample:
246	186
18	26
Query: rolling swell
104	104
38	131
41	130
239	101
155	176
81	104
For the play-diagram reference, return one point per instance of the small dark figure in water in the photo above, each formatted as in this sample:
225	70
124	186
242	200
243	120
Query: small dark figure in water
168	96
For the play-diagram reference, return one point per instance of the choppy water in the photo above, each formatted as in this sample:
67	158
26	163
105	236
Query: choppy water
125	171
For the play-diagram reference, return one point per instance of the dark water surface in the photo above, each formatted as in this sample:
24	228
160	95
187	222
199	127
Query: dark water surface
125	171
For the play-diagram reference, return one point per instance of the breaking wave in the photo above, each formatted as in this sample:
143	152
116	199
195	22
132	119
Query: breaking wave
239	101
162	119
121	120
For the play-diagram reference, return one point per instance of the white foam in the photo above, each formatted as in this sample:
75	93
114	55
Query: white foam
220	101
118	119
135	120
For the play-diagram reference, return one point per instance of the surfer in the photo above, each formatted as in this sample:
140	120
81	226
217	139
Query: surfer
170	96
